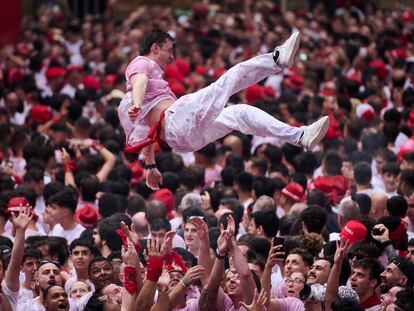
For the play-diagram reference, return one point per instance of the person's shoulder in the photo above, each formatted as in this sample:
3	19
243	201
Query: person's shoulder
290	304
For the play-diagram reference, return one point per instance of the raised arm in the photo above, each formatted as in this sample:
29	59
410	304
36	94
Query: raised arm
273	258
130	259
145	298
333	280
240	263
204	258
20	224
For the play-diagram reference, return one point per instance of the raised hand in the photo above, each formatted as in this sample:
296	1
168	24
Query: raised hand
385	233
65	156
133	112
194	273
130	234
153	248
231	225
259	301
223	242
275	256
163	281
166	247
340	251
129	254
202	228
22	220
154	178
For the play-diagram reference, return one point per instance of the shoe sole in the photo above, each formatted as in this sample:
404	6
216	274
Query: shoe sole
321	134
296	38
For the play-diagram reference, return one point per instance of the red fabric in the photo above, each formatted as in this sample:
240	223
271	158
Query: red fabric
87	216
373	300
70	166
130	283
55	72
167	198
254	93
397	233
154	268
294	192
334	187
41	113
125	241
354	231
154	136
138	172
175	259
91	82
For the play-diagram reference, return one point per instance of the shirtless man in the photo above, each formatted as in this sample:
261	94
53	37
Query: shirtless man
150	112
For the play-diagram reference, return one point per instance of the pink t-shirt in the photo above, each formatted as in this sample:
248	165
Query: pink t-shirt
157	87
291	304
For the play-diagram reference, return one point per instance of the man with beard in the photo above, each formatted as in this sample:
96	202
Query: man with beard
80	255
319	272
400	272
101	272
56	299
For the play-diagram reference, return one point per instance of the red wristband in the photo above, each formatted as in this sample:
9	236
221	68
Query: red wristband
130	279
70	166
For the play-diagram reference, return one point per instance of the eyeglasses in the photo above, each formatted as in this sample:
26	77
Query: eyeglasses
358	256
294	281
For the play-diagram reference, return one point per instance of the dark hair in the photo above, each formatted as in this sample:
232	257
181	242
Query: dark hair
33	174
362	173
155	209
263	186
259	163
268	220
391	168
346	304
314	218
106	229
95	303
245	181
374	267
153	36
306	256
108	204
88	187
364	202
31	252
186	255
316	197
332	163
159	224
97	259
58	247
405	300
52	188
66	199
81	242
136	203
397	206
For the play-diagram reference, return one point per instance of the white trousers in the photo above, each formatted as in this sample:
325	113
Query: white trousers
197	119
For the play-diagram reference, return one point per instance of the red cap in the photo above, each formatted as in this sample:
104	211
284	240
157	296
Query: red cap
71	68
327	92
399	53
294	81
41	113
137	172
87	216
254	93
365	112
55	72
167	198
380	68
201	70
91	82
294	192
16	202
354	231
406	148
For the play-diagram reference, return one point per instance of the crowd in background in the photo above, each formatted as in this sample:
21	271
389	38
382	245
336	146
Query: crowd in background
245	223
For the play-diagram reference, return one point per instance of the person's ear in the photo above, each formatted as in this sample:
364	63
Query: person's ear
373	283
260	230
403	281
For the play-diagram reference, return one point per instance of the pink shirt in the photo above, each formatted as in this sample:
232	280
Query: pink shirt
157	87
291	304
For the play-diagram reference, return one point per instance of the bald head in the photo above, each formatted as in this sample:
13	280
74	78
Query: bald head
141	224
378	205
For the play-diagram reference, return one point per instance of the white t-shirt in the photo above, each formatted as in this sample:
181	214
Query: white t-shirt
69	235
11	296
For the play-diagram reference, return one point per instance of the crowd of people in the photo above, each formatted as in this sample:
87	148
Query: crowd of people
244	223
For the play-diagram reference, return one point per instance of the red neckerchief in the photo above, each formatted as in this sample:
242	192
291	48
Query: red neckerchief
153	136
372	300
